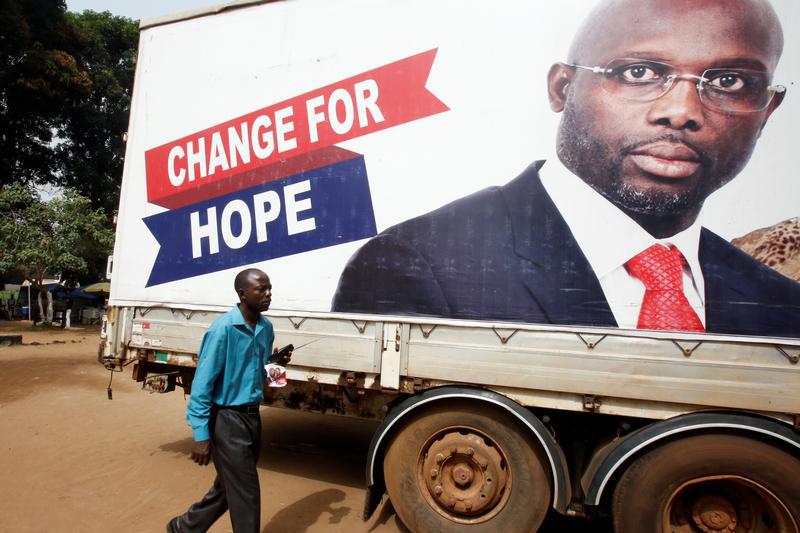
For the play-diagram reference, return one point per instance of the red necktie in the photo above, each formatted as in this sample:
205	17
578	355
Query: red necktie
664	306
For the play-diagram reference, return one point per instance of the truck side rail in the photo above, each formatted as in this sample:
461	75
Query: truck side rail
645	374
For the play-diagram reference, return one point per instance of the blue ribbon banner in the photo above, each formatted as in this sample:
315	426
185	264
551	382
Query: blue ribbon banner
314	209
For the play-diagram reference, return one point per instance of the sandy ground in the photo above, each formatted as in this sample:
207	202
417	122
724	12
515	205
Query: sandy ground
71	460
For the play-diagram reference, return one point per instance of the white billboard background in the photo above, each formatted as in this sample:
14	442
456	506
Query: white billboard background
490	70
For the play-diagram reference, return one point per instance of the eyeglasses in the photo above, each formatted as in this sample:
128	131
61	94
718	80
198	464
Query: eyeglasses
725	89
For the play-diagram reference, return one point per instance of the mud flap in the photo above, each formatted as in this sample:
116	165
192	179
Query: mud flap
373	499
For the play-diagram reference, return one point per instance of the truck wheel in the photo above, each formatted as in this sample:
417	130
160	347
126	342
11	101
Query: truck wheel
466	467
710	484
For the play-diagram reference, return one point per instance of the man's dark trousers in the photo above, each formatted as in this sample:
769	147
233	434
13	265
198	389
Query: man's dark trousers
236	440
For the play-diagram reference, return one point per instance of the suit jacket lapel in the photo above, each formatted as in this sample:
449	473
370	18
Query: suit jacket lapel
557	274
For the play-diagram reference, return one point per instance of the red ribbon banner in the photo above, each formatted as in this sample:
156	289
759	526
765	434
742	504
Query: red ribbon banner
211	162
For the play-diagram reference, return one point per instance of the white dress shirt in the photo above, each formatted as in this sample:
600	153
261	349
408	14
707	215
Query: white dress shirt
609	238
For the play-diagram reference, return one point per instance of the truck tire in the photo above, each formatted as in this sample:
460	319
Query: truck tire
466	467
709	484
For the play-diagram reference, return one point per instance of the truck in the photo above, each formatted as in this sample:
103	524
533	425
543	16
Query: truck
338	146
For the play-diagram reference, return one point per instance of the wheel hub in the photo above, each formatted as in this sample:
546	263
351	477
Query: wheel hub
726	504
714	514
465	475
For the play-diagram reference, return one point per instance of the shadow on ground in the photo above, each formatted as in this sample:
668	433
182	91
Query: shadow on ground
302	514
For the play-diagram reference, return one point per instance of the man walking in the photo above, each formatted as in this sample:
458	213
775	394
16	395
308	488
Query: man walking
223	411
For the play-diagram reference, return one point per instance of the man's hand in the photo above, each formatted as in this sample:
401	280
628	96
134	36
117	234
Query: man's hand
282	357
201	453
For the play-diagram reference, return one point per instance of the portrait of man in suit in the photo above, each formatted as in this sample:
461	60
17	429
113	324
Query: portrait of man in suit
662	103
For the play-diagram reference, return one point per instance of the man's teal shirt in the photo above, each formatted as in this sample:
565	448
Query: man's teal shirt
231	368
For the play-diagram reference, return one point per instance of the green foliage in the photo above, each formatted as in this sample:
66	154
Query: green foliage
65	87
37	69
63	235
91	155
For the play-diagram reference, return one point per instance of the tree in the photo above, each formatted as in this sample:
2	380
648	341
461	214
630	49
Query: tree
91	154
65	85
64	235
38	71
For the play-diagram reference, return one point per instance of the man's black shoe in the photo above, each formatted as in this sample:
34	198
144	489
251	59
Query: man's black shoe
172	526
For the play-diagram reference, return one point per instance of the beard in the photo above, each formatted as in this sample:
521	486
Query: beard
601	167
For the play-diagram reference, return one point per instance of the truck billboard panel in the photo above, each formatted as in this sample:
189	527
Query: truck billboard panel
519	162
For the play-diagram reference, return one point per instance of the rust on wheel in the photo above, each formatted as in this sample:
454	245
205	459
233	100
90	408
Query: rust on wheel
450	469
712	482
464	475
726	504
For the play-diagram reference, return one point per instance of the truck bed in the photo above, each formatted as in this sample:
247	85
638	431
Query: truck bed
644	374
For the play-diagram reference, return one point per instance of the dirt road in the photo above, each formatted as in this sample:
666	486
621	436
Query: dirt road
71	460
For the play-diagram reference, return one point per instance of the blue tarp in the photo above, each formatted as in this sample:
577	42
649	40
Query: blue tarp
22	296
58	291
77	293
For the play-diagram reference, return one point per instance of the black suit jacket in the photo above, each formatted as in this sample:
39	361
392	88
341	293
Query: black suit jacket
506	254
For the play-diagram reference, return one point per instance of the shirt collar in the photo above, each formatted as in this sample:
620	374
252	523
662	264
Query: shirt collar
238	319
599	235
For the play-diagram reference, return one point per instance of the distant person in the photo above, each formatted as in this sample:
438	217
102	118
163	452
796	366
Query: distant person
662	103
66	315
223	411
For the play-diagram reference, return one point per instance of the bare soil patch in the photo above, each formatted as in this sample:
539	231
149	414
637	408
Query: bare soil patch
71	460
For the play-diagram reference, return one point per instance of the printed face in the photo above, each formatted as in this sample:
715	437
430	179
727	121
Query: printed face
257	292
664	156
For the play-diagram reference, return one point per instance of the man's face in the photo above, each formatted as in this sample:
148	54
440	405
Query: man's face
663	157
257	292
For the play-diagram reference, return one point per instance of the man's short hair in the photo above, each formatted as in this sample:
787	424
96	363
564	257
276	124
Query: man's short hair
243	278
